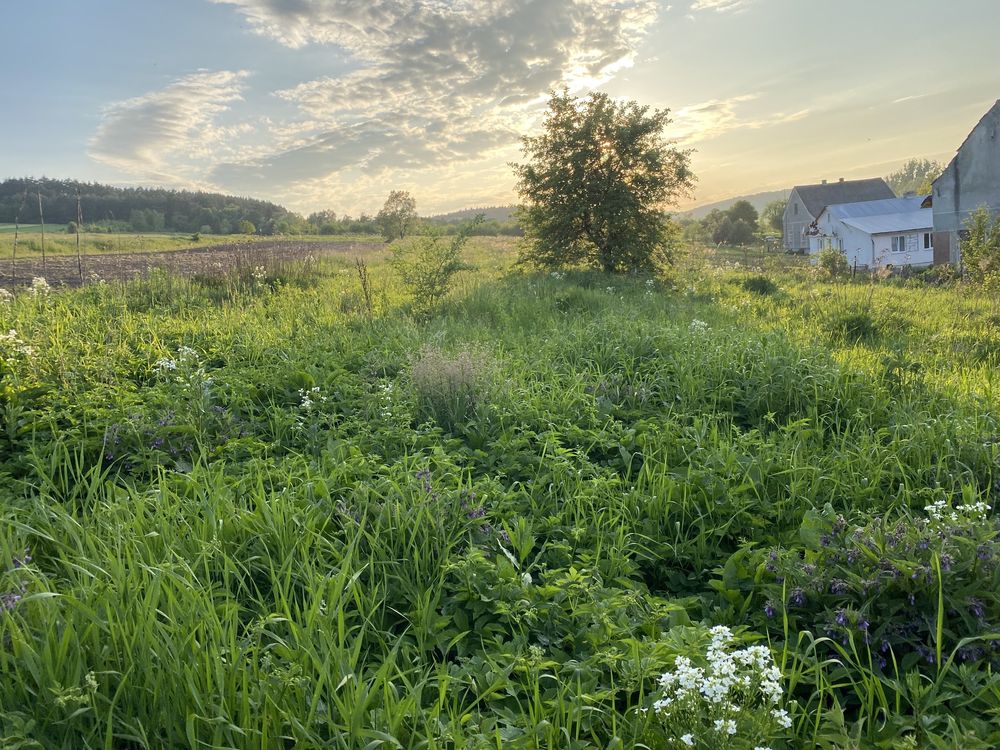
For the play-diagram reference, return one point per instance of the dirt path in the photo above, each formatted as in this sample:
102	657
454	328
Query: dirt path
63	269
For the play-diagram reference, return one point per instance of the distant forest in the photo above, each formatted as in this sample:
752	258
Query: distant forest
114	209
110	208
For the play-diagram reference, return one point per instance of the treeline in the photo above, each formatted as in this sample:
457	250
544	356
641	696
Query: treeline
109	208
328	223
740	224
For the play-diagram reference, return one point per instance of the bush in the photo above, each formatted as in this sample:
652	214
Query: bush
761	285
427	266
833	264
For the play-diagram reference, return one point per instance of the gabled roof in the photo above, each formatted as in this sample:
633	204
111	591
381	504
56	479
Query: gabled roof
909	221
818	197
989	112
875	208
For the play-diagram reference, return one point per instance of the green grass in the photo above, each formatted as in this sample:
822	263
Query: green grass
320	524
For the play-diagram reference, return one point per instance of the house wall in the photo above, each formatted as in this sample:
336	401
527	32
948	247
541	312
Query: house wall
971	180
796	219
866	250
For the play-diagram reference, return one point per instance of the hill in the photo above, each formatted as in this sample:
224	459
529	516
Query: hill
757	200
492	213
142	209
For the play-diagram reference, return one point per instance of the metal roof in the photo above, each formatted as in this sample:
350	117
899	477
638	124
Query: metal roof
875	208
818	197
909	221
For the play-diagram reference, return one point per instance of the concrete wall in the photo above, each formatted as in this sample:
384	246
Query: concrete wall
796	220
971	180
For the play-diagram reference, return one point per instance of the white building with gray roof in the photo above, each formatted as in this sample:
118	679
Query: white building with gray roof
806	203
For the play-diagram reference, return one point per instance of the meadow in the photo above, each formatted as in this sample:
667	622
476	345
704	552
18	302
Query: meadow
735	506
59	242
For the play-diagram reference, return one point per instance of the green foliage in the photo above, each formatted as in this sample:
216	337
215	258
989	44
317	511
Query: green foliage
981	248
915	176
772	218
428	264
832	263
397	216
246	227
248	511
595	184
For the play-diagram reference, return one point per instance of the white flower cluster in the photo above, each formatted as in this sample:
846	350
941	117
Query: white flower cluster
698	326
15	343
734	683
309	397
558	275
941	512
185	354
39	287
6	297
258	273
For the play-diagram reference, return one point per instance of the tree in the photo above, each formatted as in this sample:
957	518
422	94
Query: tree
397	215
246	227
915	176
772	218
743	211
596	182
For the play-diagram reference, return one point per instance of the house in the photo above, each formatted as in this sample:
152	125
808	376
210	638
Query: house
806	203
971	180
877	234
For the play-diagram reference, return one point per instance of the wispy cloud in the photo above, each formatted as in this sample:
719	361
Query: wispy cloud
720	6
712	118
144	136
435	82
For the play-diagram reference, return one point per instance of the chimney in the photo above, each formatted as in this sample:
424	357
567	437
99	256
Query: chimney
841	179
823	183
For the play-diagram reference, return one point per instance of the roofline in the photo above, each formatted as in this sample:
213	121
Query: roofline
988	112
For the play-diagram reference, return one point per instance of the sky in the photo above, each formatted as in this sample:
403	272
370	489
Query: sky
330	104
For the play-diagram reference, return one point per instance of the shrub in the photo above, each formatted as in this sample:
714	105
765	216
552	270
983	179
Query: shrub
761	285
427	266
833	264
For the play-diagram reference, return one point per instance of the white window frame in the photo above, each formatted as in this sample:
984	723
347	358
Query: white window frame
897	243
928	240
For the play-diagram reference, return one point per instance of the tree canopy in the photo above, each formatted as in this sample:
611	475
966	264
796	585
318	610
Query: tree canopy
772	218
596	182
915	176
397	215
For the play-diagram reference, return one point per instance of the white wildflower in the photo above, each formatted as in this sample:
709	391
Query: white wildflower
782	717
165	364
688	739
5	296
39	286
725	725
698	326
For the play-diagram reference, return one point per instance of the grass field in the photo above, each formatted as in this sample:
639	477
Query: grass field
270	511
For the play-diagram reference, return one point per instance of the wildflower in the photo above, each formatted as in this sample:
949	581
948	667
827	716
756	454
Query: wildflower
725	725
841	618
976	608
798	598
39	287
5	296
769	609
781	716
698	326
165	364
688	739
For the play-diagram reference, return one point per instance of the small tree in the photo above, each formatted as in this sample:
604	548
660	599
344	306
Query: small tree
427	265
246	227
596	182
772	218
397	215
981	249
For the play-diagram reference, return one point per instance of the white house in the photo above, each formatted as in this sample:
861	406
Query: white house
806	202
877	234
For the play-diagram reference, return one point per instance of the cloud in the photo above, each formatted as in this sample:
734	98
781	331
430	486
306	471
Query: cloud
434	82
712	118
720	6
154	136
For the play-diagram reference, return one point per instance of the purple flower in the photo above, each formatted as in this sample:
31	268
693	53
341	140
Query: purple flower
976	607
863	625
946	562
838	586
984	552
769	610
841	618
20	562
797	598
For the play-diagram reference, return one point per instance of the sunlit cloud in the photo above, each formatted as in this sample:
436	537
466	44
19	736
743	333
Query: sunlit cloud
720	6
163	134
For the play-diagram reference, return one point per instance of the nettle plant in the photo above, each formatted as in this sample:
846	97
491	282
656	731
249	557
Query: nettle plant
905	589
734	700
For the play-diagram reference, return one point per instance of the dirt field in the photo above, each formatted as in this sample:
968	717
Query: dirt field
64	269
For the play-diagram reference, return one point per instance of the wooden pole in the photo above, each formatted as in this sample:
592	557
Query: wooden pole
13	255
41	219
79	222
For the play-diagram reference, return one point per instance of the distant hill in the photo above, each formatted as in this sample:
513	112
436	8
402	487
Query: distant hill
492	213
145	209
757	200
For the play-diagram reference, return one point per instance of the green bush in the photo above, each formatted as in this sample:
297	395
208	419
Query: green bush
833	263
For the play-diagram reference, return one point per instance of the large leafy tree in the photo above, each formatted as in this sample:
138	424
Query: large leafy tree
772	218
397	215
915	176
596	182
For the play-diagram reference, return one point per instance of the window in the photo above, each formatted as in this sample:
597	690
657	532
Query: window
795	209
899	243
928	241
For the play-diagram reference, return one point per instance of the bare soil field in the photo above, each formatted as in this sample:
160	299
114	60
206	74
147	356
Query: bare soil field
64	269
